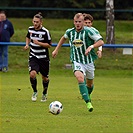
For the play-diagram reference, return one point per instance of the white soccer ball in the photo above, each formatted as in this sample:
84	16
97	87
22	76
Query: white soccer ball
55	107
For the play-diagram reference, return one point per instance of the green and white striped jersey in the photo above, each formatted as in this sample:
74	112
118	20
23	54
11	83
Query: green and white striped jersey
80	41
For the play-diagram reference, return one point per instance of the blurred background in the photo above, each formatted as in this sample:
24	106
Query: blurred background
58	16
66	8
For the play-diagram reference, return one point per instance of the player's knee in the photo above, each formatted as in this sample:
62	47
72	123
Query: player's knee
79	76
33	74
45	79
80	79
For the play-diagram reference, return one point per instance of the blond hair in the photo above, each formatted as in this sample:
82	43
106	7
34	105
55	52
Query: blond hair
78	15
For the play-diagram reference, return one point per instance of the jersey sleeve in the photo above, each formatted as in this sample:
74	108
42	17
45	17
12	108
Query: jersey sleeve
94	34
67	33
48	38
28	34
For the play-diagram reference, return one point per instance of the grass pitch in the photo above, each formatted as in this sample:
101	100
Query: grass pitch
112	101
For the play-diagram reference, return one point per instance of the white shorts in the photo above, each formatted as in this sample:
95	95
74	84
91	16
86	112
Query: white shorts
87	69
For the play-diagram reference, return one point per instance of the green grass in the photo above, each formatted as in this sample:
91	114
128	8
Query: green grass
112	101
111	59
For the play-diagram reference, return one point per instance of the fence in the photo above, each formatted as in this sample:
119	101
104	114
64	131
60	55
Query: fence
127	48
65	12
67	45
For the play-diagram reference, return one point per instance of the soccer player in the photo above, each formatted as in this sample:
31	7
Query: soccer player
40	40
82	40
88	21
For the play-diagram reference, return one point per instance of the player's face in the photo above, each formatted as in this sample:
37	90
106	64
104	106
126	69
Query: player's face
79	23
37	23
87	23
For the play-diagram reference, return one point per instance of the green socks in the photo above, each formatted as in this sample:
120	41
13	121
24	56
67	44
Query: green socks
84	92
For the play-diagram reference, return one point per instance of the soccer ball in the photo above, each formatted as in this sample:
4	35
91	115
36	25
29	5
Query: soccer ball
55	107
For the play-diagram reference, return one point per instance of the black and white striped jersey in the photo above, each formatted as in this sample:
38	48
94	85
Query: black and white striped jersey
41	35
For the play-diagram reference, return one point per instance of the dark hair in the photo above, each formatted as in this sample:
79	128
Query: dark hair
39	15
88	16
84	14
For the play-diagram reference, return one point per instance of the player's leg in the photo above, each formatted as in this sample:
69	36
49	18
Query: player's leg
33	69
90	85
82	86
79	74
44	70
45	83
90	77
83	89
33	82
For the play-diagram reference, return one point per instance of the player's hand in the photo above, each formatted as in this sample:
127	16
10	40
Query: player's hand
54	53
88	51
36	42
26	47
99	53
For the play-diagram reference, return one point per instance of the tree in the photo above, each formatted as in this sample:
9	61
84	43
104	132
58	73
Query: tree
110	22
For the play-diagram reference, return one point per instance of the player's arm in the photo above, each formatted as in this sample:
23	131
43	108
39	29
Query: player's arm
46	45
99	52
46	42
61	41
27	43
95	45
100	48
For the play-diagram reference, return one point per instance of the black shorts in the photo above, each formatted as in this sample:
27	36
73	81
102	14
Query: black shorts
39	65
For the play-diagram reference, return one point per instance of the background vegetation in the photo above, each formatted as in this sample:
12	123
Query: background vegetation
50	8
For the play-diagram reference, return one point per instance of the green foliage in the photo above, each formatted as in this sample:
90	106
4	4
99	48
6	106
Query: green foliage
55	9
59	3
